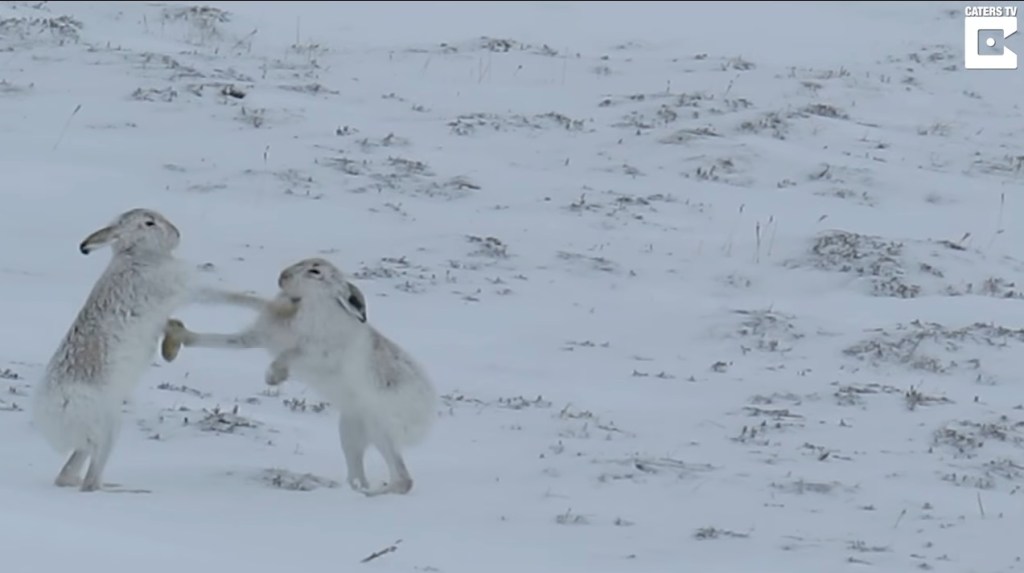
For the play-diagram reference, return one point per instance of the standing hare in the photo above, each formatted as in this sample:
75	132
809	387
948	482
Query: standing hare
77	404
316	328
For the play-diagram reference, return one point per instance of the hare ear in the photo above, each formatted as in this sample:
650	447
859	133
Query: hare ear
357	300
352	301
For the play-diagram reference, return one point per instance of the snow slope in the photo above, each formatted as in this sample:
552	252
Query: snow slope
706	287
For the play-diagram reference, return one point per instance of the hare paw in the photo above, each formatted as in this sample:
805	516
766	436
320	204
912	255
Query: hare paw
174	336
276	373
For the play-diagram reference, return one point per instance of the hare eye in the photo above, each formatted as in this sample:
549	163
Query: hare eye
314	271
150	223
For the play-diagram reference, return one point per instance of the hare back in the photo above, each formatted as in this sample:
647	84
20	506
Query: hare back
404	394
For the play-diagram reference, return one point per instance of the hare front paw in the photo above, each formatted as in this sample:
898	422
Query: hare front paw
174	337
277	372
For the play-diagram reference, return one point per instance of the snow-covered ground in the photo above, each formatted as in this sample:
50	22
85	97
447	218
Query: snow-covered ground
712	288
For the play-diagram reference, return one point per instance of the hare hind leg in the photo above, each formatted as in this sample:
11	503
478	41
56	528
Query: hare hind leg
353	444
399	479
71	474
98	458
94	475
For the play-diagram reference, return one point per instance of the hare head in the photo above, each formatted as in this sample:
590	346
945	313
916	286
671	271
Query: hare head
318	278
138	230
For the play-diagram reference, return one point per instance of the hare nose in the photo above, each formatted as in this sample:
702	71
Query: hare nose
285	275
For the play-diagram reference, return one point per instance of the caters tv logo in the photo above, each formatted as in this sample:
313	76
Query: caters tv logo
986	29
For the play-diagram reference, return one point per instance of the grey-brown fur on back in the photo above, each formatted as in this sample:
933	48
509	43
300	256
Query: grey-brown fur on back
85	352
395	366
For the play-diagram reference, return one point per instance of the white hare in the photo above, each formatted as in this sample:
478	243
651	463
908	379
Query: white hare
77	404
316	328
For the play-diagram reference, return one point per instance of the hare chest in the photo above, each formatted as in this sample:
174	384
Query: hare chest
336	359
138	322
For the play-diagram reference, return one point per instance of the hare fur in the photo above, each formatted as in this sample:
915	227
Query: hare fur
77	404
316	328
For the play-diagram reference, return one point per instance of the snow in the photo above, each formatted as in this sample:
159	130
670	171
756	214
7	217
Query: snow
706	286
